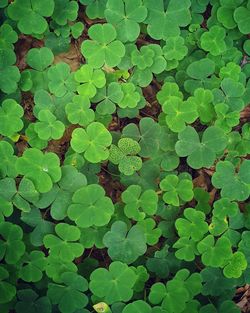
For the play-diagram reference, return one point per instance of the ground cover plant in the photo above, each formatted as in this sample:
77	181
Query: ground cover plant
124	156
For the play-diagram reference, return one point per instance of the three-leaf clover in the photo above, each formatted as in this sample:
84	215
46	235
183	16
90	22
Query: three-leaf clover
7	290
176	189
138	306
34	265
236	265
93	141
102	49
65	11
113	285
79	112
90	207
126	15
200	153
213	40
63	246
135	199
42	169
124	154
125	245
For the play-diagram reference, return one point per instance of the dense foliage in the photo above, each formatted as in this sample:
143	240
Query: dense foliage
124	155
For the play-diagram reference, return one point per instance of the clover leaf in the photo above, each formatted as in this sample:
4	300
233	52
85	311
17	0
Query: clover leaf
7	160
69	295
93	142
124	154
31	15
126	15
135	200
102	49
64	11
39	59
8	36
125	245
152	232
236	265
175	48
233	185
48	127
200	154
12	247
95	8
89	80
241	16
176	189
60	79
7	290
137	306
10	114
78	111
131	96
213	40
29	301
42	169
165	23
34	265
193	225
90	207
63	245
113	285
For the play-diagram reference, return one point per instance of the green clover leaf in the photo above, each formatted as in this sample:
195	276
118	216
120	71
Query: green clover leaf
193	225
186	249
29	301
10	115
60	79
12	247
30	15
8	36
42	169
204	102
215	254
235	266
78	111
102	49
34	264
90	207
200	154
69	295
89	80
175	48
126	15
152	233
63	246
48	127
224	208
176	189
226	119
7	291
93	142
125	245
95	8
131	96
125	156
39	59
241	16
113	285
137	306
65	11
213	40
135	199
233	185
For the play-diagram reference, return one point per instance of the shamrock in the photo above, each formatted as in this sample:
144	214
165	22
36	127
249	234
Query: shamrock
60	79
64	11
176	189
241	17
34	265
90	80
63	245
10	115
113	285
69	294
224	207
124	154
175	48
215	254
236	265
152	233
233	185
135	200
41	169
108	97
233	91
213	40
30	15
48	127
7	290
179	112
95	8
186	249
131	96
193	225
102	49
137	306
91	207
29	301
165	23
8	36
12	247
148	61
125	245
200	154
93	142
126	15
